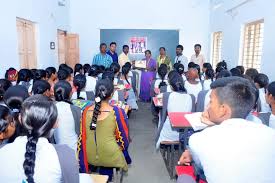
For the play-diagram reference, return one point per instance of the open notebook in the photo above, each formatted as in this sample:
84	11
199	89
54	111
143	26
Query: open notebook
195	121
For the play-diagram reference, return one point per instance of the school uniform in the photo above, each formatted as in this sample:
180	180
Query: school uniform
90	83
193	89
264	105
206	84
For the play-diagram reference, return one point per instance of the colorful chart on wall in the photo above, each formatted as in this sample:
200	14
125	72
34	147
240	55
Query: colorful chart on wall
138	45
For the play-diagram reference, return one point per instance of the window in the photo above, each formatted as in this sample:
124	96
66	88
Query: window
252	45
217	48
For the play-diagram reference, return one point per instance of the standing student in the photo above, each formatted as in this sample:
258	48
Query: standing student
180	58
103	58
232	99
147	76
112	52
198	57
34	159
124	56
7	125
261	81
65	133
270	98
163	58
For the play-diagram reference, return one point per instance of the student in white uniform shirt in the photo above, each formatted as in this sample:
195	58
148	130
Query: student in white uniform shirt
198	58
79	83
270	98
78	69
180	58
34	159
92	78
261	81
209	78
180	69
192	85
230	151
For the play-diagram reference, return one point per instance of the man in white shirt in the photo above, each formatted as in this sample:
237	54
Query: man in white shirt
180	58
124	56
233	150
198	58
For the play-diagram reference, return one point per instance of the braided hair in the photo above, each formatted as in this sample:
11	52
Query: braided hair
162	71
103	90
62	91
79	83
38	118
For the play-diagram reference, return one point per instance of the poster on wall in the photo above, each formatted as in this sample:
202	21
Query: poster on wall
138	45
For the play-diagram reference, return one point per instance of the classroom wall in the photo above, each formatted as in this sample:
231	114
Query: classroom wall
191	18
48	17
232	26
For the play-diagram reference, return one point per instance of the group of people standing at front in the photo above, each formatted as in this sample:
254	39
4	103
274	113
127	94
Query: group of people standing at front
106	58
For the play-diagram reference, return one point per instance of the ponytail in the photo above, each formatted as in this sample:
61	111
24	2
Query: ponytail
29	163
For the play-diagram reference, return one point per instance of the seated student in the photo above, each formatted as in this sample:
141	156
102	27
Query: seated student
110	127
63	74
269	117
160	82
11	75
42	87
251	73
13	98
208	78
192	85
241	68
197	66
125	79
52	77
115	67
223	74
180	69
4	85
236	72
91	79
101	70
66	132
24	77
34	158
79	84
191	65
7	125
86	69
78	69
118	95
177	101
211	150
40	74
206	66
261	81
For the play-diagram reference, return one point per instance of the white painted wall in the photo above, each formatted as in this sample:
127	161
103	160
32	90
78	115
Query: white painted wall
48	17
190	17
232	28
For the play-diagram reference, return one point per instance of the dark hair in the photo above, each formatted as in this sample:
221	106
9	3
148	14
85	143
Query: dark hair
241	68
62	66
4	85
271	89
125	46
94	71
115	67
255	92
197	66
7	72
102	44
4	113
162	48
108	75
62	91
262	80
101	68
207	65
40	87
180	47
179	68
148	51
79	83
104	89
112	43
191	65
197	45
63	74
222	64
125	71
86	68
251	73
162	72
223	74
237	92
38	118
69	69
176	81
77	68
40	74
33	71
24	75
236	72
210	73
50	71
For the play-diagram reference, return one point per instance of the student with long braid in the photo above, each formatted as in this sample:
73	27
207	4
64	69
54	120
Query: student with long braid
104	136
34	158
